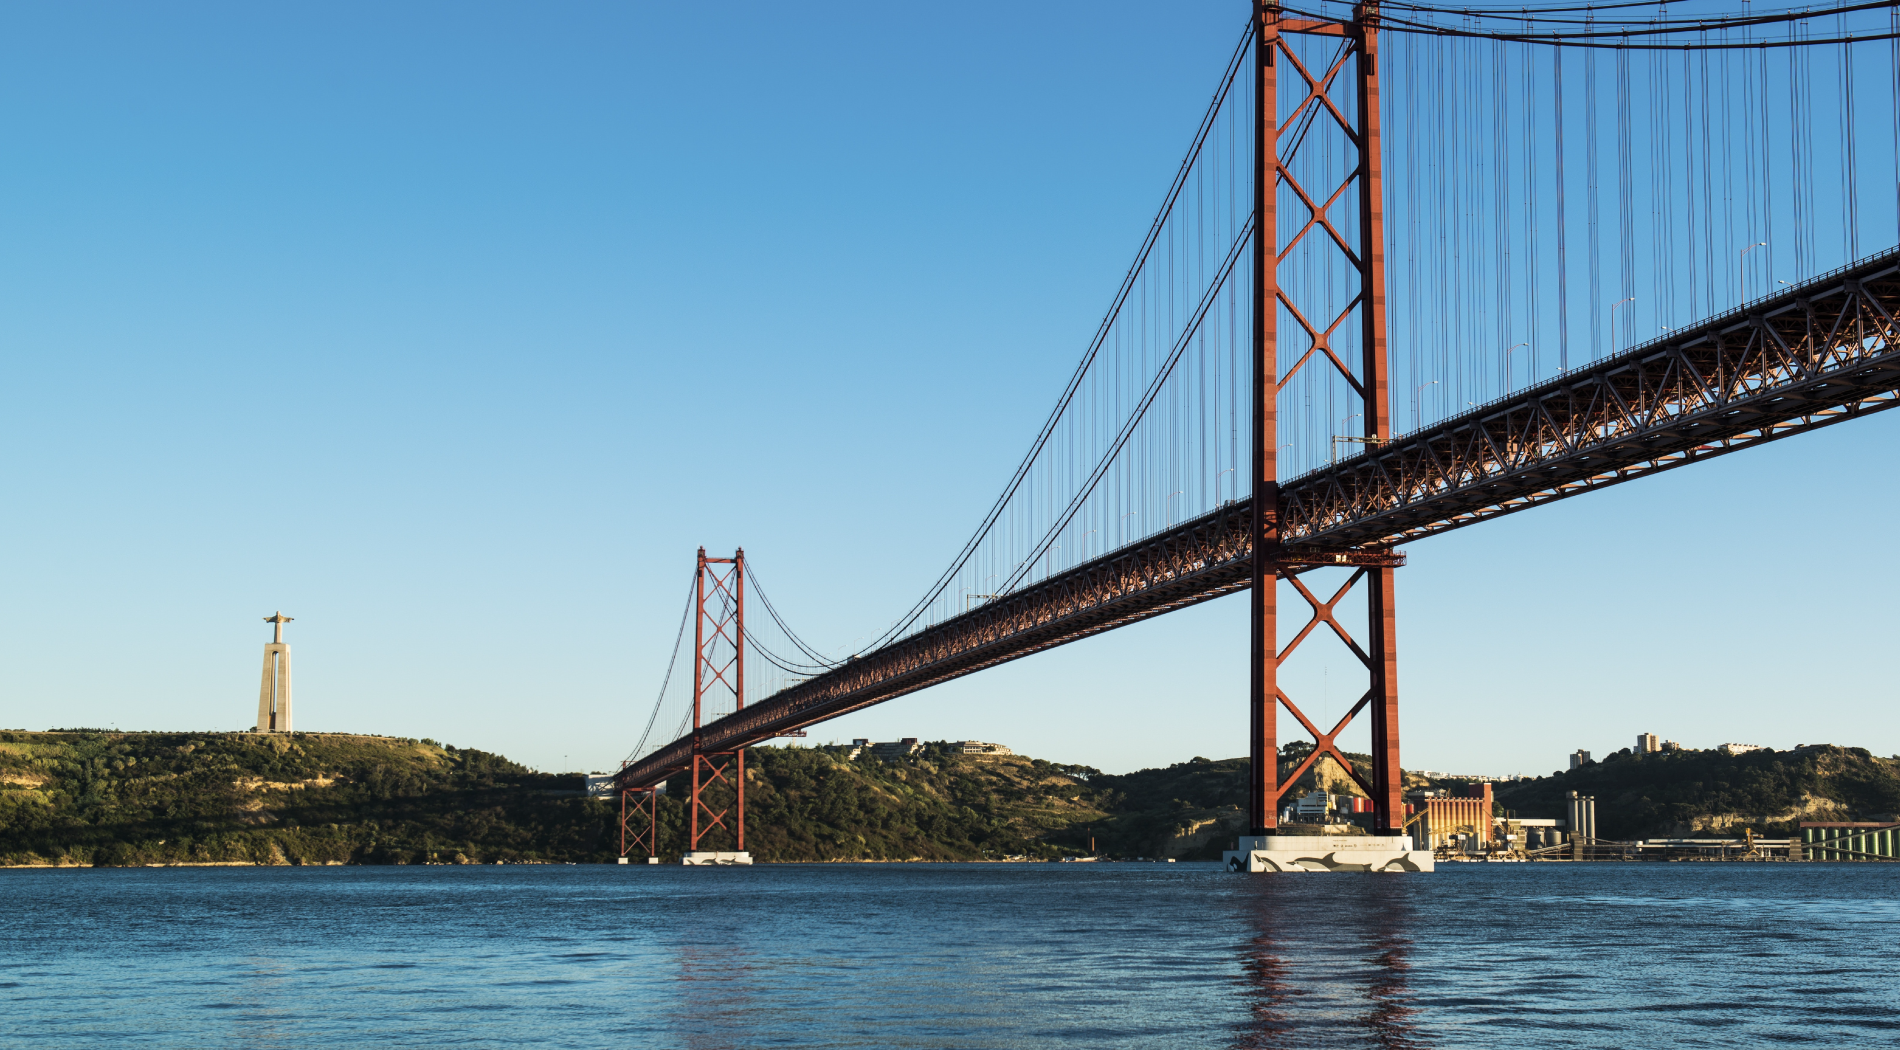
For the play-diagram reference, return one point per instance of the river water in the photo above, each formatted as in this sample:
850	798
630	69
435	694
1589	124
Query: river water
952	956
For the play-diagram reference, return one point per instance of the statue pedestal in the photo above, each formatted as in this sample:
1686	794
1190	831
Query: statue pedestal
1258	853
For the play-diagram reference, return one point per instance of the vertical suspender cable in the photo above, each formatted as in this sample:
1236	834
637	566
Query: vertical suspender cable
1709	196
1591	166
1535	292
1852	188
1767	181
1563	263
1626	233
1688	180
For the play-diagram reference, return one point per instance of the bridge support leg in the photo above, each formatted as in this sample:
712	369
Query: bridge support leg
1388	788
717	804
640	825
1263	779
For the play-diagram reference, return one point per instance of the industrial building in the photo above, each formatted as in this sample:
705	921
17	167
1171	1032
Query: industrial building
1530	833
1444	822
1583	817
1850	839
1320	807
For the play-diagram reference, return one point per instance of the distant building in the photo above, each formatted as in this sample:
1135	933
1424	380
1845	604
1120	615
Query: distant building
1312	807
1737	749
1647	742
978	747
897	749
1671	745
1463	822
1583	817
1528	833
1320	807
1579	759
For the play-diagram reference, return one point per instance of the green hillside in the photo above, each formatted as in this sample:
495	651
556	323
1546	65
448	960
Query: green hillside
815	804
95	797
92	797
1683	793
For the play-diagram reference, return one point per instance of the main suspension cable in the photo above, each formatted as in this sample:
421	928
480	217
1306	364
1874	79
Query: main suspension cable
678	637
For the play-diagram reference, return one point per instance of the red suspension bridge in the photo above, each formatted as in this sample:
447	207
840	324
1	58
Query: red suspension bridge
1272	304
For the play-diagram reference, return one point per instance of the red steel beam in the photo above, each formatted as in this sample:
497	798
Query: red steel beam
1263	690
1387	782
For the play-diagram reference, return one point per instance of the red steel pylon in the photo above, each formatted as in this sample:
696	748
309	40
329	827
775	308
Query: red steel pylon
646	803
718	667
1355	59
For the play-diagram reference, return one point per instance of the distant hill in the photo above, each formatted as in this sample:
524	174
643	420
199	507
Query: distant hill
95	797
1684	793
816	804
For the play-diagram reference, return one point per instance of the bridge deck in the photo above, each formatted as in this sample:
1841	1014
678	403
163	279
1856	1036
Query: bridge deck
1814	355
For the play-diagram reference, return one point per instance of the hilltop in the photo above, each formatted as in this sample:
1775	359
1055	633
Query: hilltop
1685	793
108	798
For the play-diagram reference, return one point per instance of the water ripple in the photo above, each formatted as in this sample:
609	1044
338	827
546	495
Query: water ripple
951	956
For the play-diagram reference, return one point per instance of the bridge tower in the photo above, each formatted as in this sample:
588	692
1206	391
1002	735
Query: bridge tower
1356	62
718	777
716	798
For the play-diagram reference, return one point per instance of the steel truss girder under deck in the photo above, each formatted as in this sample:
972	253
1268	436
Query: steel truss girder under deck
1818	354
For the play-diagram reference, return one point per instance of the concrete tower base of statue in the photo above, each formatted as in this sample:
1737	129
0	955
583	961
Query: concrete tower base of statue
273	696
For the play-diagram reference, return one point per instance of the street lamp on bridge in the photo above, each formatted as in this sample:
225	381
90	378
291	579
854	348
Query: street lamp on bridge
1617	344
1741	271
1415	393
1507	366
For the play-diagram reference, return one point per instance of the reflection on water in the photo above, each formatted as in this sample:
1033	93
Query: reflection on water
1327	964
1263	975
1392	1009
952	957
712	995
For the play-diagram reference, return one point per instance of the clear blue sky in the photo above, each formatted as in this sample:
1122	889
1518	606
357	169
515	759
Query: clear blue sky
453	329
